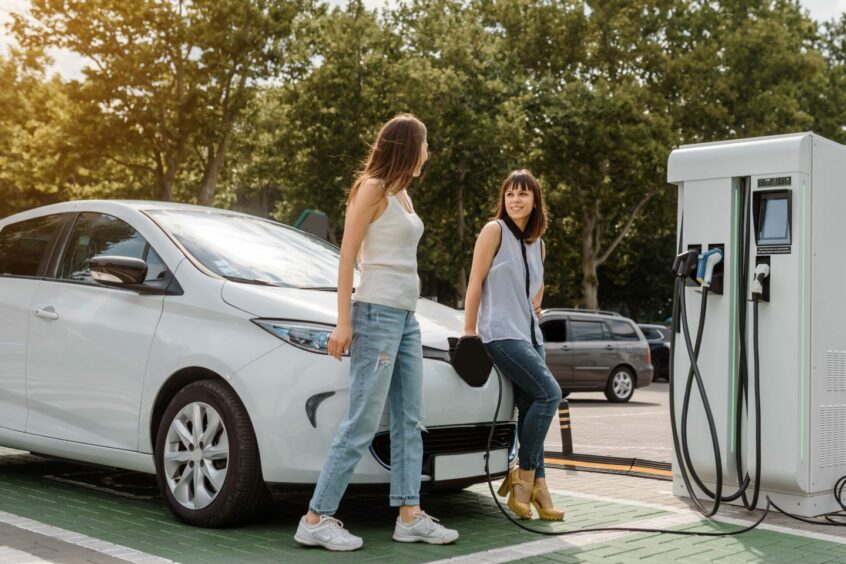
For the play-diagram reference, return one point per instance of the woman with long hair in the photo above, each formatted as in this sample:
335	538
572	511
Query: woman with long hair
503	300
381	333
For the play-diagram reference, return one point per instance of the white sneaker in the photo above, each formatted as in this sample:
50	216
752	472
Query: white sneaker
329	533
424	528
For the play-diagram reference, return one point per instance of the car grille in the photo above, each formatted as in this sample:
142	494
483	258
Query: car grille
450	440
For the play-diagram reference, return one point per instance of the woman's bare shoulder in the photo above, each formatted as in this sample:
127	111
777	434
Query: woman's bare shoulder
490	234
491	229
371	191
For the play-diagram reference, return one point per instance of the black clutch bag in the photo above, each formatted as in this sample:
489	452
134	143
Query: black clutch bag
470	359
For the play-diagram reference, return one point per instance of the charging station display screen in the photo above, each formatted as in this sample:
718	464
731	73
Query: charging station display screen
774	224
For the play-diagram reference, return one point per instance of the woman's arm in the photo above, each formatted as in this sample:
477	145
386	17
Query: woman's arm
486	247
537	301
364	206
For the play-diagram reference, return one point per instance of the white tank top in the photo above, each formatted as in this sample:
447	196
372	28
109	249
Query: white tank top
389	259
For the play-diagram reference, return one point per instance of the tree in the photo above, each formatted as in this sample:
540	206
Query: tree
167	79
34	156
463	86
598	126
827	100
741	68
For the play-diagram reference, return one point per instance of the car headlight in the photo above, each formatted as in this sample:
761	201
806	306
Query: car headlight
312	337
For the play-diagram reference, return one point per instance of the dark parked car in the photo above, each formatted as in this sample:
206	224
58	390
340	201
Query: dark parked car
658	337
590	351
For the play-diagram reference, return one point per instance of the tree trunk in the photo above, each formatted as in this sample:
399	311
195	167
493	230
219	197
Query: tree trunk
211	174
590	282
461	279
592	254
165	188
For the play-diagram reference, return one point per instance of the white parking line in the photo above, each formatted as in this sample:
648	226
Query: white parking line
677	518
103	547
626	414
554	544
718	518
582	447
9	555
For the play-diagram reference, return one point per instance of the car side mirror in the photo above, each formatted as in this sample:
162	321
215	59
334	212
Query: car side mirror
117	271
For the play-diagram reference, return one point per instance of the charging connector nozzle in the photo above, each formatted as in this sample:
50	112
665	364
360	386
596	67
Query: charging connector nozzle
761	271
685	263
707	261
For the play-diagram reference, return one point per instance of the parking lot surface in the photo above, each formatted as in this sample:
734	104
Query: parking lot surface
54	511
639	428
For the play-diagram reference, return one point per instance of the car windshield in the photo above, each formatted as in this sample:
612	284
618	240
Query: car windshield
252	250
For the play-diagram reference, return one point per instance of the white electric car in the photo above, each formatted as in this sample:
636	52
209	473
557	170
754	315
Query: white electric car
190	342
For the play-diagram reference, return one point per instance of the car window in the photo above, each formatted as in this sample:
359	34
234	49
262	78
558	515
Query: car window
249	249
588	331
652	334
623	330
97	234
23	245
554	331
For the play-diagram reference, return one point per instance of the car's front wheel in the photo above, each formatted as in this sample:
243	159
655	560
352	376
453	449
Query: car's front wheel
207	461
621	385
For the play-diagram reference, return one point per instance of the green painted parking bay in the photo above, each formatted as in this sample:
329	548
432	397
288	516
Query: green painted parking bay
43	490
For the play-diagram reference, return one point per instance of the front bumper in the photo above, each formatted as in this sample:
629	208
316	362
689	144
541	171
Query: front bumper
280	391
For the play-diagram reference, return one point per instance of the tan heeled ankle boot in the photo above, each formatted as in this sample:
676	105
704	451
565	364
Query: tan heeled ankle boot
512	481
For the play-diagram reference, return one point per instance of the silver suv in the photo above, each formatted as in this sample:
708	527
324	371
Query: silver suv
589	351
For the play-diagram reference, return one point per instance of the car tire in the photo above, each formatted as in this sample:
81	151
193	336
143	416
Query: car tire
621	385
222	483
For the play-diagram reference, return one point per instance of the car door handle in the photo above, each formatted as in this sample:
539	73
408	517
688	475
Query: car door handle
609	347
47	313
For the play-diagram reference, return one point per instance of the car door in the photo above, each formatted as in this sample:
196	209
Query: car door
88	344
24	251
630	348
592	352
557	349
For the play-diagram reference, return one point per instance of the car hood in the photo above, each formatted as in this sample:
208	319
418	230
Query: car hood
437	321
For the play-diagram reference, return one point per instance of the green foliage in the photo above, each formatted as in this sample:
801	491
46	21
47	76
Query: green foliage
33	154
269	106
166	80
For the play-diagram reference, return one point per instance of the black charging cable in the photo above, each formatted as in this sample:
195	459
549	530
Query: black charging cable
592	529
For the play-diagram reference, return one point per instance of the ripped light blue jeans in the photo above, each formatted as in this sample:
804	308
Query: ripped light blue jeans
386	363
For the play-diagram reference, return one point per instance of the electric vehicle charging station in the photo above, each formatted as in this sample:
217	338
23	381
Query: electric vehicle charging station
775	207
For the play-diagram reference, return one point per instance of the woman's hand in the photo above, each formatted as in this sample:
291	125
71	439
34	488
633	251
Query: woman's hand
469	332
339	340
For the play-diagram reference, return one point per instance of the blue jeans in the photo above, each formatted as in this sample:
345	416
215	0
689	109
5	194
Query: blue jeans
386	363
537	393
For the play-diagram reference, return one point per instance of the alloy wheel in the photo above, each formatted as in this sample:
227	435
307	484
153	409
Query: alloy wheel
622	384
196	455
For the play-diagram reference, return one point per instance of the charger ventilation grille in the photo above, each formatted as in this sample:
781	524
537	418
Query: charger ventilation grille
832	447
835	374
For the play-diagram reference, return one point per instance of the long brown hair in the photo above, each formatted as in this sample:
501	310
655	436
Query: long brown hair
394	156
524	180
